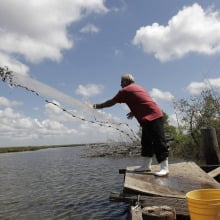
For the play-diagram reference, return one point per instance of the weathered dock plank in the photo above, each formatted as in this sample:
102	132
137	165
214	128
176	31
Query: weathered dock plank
144	200
183	177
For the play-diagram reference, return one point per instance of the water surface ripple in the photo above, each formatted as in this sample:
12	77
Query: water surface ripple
60	184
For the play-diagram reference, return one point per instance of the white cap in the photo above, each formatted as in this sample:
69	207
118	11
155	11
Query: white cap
128	77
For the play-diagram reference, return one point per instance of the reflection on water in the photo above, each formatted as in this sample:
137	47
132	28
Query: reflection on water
60	184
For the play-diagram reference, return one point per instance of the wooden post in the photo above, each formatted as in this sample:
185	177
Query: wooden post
136	213
210	146
159	213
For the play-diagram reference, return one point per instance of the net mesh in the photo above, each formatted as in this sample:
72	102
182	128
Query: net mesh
77	109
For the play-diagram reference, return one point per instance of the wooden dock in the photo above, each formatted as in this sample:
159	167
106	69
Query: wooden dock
183	177
145	189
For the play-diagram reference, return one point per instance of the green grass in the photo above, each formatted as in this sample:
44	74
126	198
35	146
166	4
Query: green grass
33	148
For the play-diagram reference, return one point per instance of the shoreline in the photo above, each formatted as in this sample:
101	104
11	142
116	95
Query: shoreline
33	148
95	149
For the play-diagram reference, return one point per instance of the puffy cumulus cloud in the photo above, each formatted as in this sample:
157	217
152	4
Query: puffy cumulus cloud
53	108
7	103
195	88
17	128
8	113
57	128
89	28
37	30
55	113
192	29
8	61
89	90
158	94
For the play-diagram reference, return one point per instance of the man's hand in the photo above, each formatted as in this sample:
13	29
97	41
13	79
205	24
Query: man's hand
130	115
97	106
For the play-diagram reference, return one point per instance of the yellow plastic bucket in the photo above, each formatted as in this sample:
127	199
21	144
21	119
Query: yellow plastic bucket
204	204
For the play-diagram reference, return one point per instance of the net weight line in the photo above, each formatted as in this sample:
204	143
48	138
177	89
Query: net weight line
8	77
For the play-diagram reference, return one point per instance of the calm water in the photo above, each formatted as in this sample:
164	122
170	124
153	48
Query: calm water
60	184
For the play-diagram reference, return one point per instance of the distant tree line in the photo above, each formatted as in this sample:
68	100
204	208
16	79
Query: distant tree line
193	114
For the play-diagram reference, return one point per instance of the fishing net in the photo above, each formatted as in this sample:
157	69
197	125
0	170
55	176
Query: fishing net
75	108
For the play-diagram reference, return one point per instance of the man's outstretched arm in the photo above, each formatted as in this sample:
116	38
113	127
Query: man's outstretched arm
105	104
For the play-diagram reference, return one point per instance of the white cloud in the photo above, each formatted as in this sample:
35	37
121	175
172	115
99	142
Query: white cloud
8	113
192	29
51	108
16	65
53	112
7	103
89	90
17	128
37	30
89	28
195	88
162	95
20	130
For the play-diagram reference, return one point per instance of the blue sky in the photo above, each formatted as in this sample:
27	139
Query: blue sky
81	48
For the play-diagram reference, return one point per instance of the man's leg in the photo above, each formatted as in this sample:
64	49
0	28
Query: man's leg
160	146
147	141
159	140
146	150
